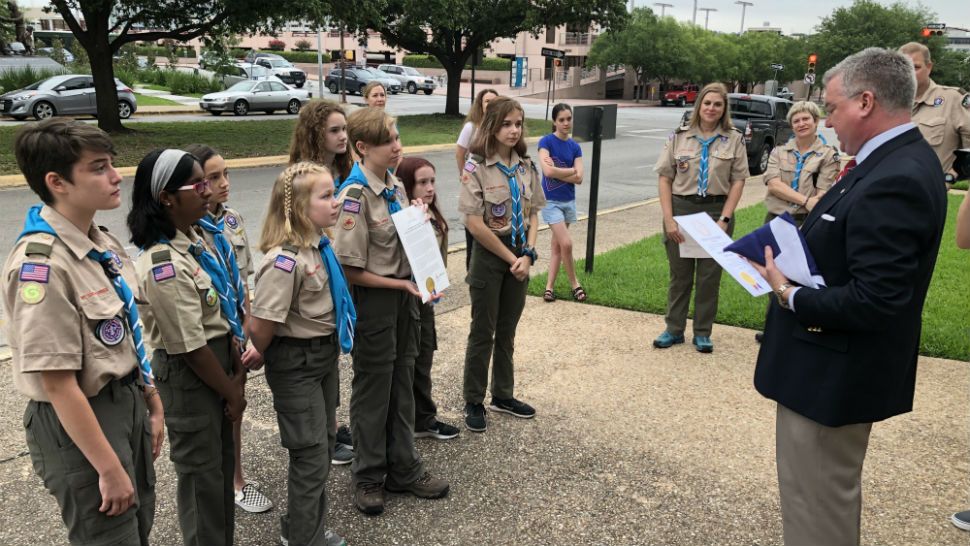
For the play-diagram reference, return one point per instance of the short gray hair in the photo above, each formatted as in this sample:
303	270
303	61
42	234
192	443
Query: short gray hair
887	74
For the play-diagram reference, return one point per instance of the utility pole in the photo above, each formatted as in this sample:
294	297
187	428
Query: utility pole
663	7
707	15
744	6
694	20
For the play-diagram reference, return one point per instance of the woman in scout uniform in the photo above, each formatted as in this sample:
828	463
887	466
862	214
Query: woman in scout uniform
801	170
472	122
301	308
75	340
418	176
192	321
374	94
388	326
500	198
702	169
222	229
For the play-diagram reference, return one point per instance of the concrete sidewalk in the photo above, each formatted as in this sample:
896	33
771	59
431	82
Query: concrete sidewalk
631	445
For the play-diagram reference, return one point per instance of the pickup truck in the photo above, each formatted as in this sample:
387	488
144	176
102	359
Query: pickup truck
764	122
680	96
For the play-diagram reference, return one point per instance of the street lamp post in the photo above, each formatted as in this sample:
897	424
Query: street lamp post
319	63
707	15
663	7
694	20
744	6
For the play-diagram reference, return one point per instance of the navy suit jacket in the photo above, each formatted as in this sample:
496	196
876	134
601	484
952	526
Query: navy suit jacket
848	352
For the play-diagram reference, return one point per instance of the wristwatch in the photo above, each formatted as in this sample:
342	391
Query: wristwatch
949	178
530	252
780	292
725	219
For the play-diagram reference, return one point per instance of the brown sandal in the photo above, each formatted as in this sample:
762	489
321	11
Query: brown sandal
579	294
548	296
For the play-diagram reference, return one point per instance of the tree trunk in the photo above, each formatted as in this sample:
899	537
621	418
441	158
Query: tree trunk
454	88
102	69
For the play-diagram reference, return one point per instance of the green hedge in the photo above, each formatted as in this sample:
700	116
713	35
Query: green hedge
159	51
180	83
427	61
20	77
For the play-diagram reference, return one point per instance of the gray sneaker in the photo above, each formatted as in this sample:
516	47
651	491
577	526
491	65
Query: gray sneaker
333	539
342	454
961	520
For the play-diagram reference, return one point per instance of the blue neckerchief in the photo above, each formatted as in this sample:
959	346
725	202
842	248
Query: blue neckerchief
346	314
518	224
799	164
356	175
227	257
390	196
702	177
34	223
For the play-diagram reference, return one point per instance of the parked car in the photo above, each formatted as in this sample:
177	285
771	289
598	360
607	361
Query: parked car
763	120
268	96
355	80
390	84
68	94
409	77
17	48
48	51
241	72
282	69
785	93
681	96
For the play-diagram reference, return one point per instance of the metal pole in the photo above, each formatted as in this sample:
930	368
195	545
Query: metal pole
553	97
319	64
663	8
549	90
744	6
694	20
343	68
707	15
594	186
474	58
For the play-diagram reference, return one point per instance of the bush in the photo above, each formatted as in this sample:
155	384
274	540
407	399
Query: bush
427	61
20	77
277	45
179	83
303	45
153	51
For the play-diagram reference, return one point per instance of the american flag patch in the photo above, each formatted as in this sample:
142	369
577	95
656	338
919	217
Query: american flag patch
35	272
163	272
352	206
285	263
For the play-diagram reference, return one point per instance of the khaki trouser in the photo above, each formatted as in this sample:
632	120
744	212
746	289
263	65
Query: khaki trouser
201	447
682	278
67	474
304	379
425	410
382	396
497	301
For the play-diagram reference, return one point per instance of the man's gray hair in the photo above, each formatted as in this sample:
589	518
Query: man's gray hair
889	75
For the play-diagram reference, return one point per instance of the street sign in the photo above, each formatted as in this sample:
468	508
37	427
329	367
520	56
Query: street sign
936	26
555	53
776	66
810	79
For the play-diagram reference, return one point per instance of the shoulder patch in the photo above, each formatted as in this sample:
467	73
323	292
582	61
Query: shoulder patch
348	223
232	221
476	158
32	292
284	263
351	206
938	101
38	248
163	272
291	249
35	272
354	192
966	101
161	256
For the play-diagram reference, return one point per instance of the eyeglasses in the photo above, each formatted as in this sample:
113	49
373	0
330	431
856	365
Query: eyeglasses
200	187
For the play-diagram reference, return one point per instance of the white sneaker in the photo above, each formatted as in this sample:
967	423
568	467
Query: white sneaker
252	500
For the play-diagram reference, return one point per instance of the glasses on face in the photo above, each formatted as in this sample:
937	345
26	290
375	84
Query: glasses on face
200	187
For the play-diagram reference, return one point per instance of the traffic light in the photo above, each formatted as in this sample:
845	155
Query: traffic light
927	32
811	63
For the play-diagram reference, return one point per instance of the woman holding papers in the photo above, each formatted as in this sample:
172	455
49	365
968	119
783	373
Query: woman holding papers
500	198
702	169
801	170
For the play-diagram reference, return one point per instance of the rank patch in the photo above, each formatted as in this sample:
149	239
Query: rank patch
110	331
32	292
352	206
35	272
232	221
683	164
211	297
163	272
498	210
284	263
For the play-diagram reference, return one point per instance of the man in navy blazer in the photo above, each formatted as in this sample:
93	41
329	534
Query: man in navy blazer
838	358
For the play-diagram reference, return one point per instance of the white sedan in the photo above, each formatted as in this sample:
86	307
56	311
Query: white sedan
267	96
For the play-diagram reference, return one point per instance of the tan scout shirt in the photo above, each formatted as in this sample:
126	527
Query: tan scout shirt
365	236
293	289
235	232
943	116
681	158
182	310
823	162
485	192
63	312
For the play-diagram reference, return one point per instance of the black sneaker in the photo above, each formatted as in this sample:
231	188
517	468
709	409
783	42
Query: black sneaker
343	436
513	407
475	417
438	431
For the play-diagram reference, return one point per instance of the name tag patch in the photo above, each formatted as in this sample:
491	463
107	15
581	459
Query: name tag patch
35	272
163	272
284	263
352	206
498	210
110	331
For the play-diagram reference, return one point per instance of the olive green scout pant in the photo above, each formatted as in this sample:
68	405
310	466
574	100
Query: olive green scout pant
67	474
304	379
497	301
425	410
201	447
381	397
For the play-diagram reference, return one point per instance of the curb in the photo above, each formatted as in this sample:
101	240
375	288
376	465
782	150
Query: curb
17	180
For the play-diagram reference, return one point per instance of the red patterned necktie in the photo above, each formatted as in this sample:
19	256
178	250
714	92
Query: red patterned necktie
845	170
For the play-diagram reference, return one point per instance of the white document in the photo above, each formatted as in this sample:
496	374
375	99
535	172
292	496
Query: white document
712	239
421	247
690	249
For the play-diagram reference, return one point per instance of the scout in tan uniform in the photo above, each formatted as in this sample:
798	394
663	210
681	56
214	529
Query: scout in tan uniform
196	360
500	198
72	338
702	169
418	176
300	293
941	113
388	328
224	232
801	170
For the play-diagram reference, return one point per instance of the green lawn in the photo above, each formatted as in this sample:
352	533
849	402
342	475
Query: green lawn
635	277
253	139
149	100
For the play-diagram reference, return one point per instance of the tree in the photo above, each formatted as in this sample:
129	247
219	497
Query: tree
452	30
104	26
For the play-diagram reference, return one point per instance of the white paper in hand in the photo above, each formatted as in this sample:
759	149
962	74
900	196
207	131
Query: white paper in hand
421	247
713	239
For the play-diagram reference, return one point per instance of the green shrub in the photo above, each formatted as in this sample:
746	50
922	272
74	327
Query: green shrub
427	61
20	77
153	51
303	45
277	45
182	83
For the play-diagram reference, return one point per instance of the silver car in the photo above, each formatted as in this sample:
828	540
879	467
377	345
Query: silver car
65	95
390	84
244	96
410	78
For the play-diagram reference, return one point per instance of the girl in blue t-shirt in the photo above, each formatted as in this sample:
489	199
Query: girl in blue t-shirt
562	169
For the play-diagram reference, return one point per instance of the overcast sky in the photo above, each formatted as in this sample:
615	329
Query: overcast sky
789	15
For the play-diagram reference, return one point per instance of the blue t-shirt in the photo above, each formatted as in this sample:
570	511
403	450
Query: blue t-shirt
563	154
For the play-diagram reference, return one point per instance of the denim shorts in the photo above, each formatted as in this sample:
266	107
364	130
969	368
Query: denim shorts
556	212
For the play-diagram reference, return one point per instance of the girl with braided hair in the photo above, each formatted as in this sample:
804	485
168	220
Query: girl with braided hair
302	318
